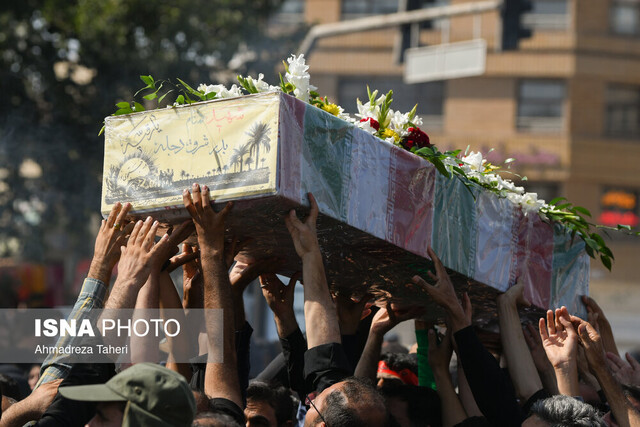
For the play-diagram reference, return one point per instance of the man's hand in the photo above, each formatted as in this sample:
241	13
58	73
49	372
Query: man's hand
169	248
387	318
242	273
280	300
560	342
350	311
111	236
559	338
443	293
209	224
627	372
304	235
599	321
192	283
279	296
140	254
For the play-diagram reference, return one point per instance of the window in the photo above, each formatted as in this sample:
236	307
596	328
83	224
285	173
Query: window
622	118
547	15
428	96
358	8
541	105
290	12
352	9
624	16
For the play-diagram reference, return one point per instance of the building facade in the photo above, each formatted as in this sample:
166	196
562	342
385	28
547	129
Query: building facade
565	105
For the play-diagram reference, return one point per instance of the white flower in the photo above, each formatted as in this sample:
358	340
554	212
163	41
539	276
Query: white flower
475	161
528	201
417	120
531	203
366	126
298	76
398	121
367	110
261	85
207	89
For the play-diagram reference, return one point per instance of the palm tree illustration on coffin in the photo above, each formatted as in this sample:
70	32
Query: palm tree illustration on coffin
258	136
237	158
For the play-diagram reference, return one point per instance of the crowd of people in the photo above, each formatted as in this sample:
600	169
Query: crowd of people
567	371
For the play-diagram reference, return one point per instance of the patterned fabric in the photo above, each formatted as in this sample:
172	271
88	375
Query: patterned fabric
92	295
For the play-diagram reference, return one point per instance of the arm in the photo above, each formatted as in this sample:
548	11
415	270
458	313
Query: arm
32	407
625	414
383	321
92	295
439	357
519	362
465	394
491	389
221	379
280	297
319	309
560	342
241	275
136	263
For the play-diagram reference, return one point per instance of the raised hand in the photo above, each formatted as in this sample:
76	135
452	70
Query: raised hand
209	224
559	338
280	300
242	273
140	253
560	342
388	317
599	321
192	283
350	311
627	372
111	236
443	292
279	296
304	235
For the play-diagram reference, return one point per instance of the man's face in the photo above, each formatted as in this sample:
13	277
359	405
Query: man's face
108	414
260	414
319	404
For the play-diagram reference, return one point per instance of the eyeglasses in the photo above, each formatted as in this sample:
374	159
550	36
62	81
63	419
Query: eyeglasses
308	400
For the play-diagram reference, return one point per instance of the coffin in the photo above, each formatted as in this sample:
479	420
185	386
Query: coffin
381	206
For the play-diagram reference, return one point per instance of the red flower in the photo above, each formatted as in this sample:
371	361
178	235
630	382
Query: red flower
372	122
416	138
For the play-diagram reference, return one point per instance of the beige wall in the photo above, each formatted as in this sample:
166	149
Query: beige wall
481	111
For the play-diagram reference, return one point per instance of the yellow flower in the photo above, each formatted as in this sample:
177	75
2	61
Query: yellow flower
388	132
331	109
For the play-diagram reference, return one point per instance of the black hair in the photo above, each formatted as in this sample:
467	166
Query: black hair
339	406
276	396
400	361
423	404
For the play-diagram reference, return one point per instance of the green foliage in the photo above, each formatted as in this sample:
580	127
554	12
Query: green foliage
64	63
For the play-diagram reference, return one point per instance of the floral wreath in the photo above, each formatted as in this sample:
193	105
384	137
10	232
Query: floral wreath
403	130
